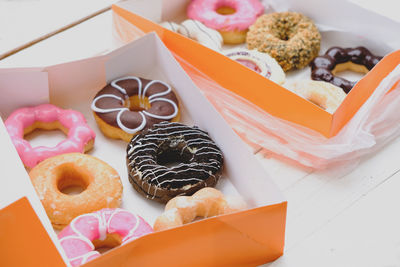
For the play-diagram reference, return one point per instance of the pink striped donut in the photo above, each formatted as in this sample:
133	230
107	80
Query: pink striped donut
77	238
80	137
231	18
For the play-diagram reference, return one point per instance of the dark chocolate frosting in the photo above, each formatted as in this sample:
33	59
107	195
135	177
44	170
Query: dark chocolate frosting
322	66
148	154
110	103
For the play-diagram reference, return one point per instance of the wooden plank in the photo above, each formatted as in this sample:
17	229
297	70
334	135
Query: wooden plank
23	23
89	38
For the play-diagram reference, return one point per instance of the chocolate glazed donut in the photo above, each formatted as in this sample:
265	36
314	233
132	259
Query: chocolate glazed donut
337	59
131	104
198	161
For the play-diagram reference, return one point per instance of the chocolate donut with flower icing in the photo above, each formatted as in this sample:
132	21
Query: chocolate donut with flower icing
129	105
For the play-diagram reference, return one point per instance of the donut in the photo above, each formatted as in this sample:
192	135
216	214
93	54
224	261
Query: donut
259	62
131	104
197	31
151	154
231	18
103	228
80	138
206	202
325	95
337	59
101	186
289	37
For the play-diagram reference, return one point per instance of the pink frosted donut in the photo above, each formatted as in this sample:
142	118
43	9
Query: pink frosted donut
80	137
231	18
78	237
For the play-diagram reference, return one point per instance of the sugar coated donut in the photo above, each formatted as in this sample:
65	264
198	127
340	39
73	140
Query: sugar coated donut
206	202
131	104
259	62
337	59
104	228
197	31
80	138
101	183
231	18
150	154
323	94
289	37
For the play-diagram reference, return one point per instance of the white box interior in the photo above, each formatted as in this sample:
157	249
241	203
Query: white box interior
73	85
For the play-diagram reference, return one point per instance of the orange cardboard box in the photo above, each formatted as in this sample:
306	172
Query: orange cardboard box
251	237
273	98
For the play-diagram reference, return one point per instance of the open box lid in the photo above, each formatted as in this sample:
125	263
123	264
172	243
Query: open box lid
57	84
279	101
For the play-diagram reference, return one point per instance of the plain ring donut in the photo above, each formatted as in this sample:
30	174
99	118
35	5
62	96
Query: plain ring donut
101	183
197	161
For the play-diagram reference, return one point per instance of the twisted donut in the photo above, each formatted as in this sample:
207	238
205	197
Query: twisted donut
206	202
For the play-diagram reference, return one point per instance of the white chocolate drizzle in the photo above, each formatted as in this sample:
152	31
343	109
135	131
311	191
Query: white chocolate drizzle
142	157
141	94
103	230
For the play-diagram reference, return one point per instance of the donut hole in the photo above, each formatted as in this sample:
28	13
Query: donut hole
111	241
45	134
285	29
173	153
350	71
137	104
225	10
71	180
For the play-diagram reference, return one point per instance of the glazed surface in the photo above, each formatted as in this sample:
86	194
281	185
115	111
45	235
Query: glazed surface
78	132
77	238
112	103
323	66
246	12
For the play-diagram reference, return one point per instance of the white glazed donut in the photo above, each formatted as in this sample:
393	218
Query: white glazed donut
197	31
259	62
323	94
172	26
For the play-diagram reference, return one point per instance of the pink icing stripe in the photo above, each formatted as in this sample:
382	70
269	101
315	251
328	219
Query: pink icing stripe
79	133
246	13
76	239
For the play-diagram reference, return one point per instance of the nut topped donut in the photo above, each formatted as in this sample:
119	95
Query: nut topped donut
337	59
172	159
131	104
289	37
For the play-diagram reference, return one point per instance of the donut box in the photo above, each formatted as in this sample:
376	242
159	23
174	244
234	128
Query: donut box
133	18
250	237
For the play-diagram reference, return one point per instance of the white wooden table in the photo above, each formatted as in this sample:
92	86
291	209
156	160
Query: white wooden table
350	220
